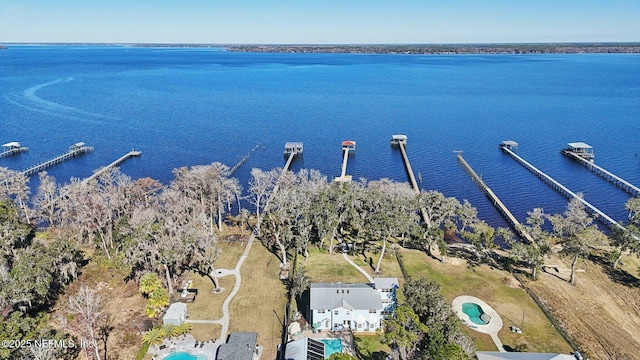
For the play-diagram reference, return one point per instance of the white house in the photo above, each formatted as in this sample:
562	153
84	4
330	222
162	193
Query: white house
357	307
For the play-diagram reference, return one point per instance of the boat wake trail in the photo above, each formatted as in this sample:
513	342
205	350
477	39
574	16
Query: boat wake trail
30	100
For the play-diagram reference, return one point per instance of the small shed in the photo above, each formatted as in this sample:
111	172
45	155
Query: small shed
176	314
398	139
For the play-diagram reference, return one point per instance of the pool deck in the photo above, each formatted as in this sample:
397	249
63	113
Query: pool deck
346	337
492	328
186	344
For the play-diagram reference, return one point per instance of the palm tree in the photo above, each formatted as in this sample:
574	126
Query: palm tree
154	336
171	330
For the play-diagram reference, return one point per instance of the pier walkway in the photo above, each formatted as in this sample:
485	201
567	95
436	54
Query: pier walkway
506	148
499	205
75	150
120	160
612	178
401	141
407	166
348	146
12	148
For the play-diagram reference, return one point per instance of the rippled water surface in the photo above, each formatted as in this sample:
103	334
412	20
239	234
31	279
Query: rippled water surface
183	107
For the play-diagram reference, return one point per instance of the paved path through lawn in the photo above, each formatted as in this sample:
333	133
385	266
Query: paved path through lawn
346	257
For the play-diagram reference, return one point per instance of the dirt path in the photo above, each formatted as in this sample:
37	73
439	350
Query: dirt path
601	315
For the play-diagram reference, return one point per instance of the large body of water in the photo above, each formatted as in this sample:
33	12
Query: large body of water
183	107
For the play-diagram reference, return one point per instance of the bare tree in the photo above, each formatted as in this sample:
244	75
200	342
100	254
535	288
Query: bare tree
87	307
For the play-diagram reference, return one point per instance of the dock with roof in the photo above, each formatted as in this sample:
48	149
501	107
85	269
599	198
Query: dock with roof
12	148
74	150
583	154
348	147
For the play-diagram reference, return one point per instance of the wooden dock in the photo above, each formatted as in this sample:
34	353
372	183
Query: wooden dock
499	205
119	161
506	147
75	150
348	147
12	148
407	166
291	154
243	160
401	141
612	178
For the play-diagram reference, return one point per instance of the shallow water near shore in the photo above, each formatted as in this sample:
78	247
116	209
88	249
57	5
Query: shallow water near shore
183	107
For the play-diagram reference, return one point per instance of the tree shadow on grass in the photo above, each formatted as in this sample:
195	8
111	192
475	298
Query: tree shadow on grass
616	275
365	352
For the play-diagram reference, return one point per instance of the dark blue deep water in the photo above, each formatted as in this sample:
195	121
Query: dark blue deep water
183	107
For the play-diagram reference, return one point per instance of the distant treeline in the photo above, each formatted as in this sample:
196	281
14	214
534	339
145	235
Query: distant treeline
573	48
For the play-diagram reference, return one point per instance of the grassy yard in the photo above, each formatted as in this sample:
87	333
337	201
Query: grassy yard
324	267
261	296
498	289
208	306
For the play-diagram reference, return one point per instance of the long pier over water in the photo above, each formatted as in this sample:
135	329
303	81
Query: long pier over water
506	147
499	205
75	150
119	161
612	178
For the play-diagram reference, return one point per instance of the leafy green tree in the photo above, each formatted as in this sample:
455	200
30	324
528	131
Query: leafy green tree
403	332
444	339
624	239
576	232
534	253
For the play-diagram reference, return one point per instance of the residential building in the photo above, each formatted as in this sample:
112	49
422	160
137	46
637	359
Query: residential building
355	307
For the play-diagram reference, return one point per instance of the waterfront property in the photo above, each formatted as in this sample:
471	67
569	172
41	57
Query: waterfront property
355	307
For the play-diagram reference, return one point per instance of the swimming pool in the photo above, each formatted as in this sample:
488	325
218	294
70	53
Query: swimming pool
185	356
331	346
475	313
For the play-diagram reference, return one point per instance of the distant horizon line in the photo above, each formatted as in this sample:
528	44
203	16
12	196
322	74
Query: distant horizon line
201	44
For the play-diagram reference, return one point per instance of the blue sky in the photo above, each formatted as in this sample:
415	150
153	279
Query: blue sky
319	21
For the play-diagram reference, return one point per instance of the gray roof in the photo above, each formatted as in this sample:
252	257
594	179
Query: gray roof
240	346
579	145
509	143
386	283
350	296
495	355
175	311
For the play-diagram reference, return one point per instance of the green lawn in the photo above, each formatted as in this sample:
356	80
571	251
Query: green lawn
492	286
